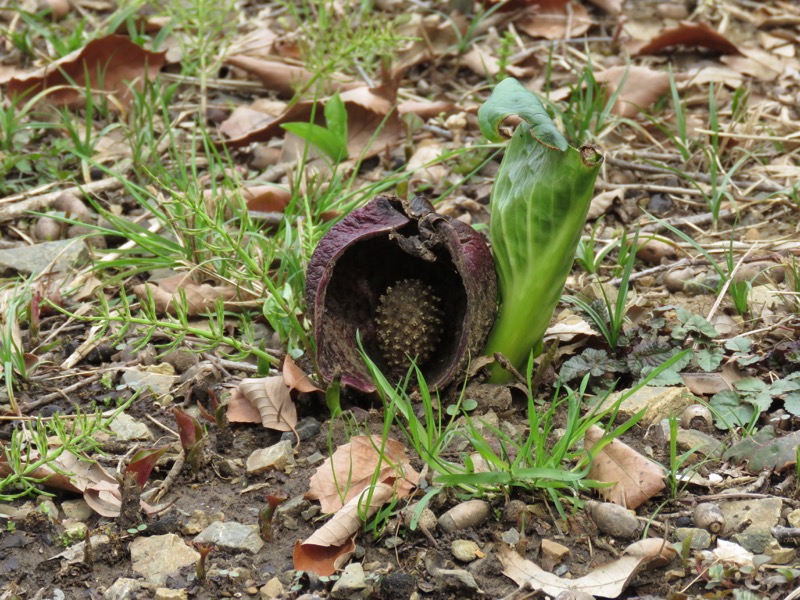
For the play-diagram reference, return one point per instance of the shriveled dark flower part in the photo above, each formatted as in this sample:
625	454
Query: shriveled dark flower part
415	285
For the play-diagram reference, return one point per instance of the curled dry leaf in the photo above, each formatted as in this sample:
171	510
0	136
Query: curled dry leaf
351	469
200	297
331	546
555	19
112	64
296	379
270	395
692	35
636	479
641	87
266	198
606	581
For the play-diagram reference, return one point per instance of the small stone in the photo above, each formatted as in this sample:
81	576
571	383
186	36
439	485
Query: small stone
702	443
465	550
701	539
392	542
754	540
511	537
456	579
554	551
231	536
306	429
658	402
48	508
794	518
169	594
398	586
278	457
74	530
123	588
159	556
158	383
199	520
77	510
125	428
351	584
761	514
292	507
614	520
272	589
779	555
310	512
181	360
465	515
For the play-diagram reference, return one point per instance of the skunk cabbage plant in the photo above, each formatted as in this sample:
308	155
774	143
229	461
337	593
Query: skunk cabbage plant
411	284
538	208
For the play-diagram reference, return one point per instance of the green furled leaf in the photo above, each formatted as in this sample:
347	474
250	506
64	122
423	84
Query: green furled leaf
729	410
511	98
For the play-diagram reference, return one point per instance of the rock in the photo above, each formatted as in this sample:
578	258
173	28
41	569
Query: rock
272	589
392	542
33	260
351	584
77	510
614	520
465	550
169	594
199	520
293	507
659	402
779	555
74	530
278	457
465	515
307	428
456	579
554	551
754	540
181	360
707	445
794	518
123	588
158	383
159	556
48	508
398	586
762	514
232	536
701	539
126	428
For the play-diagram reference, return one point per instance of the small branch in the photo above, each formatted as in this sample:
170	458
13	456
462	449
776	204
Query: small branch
19	205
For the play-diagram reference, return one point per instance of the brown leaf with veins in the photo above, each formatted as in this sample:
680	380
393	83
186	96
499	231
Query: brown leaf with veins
642	86
555	19
372	122
332	545
691	35
352	468
270	395
636	479
200	297
281	77
113	64
296	379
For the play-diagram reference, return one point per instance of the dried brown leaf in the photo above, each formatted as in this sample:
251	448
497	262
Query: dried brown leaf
200	297
279	76
296	379
113	64
241	410
636	479
270	395
427	109
267	198
642	86
692	35
555	20
332	544
613	7
352	468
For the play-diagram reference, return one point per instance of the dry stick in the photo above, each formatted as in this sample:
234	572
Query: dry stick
761	186
59	394
786	534
19	205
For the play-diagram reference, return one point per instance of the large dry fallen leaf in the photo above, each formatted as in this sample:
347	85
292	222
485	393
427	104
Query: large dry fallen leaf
372	123
332	545
352	468
270	396
642	86
200	297
606	581
280	77
691	35
112	64
636	479
555	19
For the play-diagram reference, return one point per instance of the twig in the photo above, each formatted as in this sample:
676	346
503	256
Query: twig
59	394
786	534
169	479
19	205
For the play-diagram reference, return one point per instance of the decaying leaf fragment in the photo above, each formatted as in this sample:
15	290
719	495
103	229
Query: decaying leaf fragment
606	581
200	297
636	479
270	396
641	87
113	64
351	469
332	545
